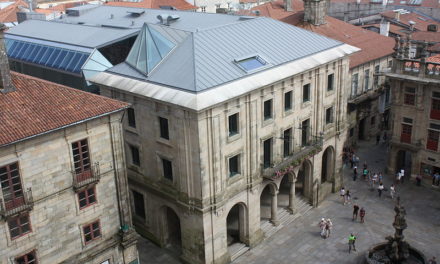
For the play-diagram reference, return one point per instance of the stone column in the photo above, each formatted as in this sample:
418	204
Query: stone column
274	209
292	208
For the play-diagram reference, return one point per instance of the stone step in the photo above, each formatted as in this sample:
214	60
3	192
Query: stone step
237	250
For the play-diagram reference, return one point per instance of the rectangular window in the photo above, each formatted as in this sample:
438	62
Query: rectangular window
288	101
164	132
330	80
11	186
435	109
19	225
81	159
234	165
233	124
139	204
86	197
409	96
367	80
306	93
135	159
405	136
267	109
329	115
131	117
287	144
390	64
92	231
432	142
305	132
267	153
29	258
376	76
354	84
167	167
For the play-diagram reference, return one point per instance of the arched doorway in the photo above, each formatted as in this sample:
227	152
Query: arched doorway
283	192
236	226
268	203
302	185
327	167
404	161
173	235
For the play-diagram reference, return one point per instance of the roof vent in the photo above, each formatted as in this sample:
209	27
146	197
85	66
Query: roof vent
246	18
136	12
432	28
166	19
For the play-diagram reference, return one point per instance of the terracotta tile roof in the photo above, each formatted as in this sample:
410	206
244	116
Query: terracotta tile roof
426	36
39	106
373	45
422	22
398	30
425	3
178	4
9	13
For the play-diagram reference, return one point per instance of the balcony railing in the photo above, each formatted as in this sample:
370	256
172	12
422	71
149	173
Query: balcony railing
13	206
419	68
86	177
294	160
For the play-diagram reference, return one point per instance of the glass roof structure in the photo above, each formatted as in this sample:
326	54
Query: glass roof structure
48	56
95	64
250	64
148	50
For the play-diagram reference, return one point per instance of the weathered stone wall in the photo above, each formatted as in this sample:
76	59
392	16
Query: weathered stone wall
45	165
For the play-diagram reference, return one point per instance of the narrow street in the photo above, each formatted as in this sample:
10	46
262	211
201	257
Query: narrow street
300	242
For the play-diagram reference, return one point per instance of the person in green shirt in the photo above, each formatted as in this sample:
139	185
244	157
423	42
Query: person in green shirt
351	242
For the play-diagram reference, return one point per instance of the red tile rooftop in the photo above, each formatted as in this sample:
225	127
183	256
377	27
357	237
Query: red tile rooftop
155	4
38	106
422	22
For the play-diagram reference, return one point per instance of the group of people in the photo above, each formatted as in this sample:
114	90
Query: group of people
436	179
356	211
345	195
326	227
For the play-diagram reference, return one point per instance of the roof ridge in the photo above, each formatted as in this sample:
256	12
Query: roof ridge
239	22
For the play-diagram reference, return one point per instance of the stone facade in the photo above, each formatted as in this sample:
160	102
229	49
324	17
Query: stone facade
369	101
206	207
415	114
46	171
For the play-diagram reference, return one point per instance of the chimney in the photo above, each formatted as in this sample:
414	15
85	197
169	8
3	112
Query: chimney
397	15
315	11
6	85
288	5
411	25
384	27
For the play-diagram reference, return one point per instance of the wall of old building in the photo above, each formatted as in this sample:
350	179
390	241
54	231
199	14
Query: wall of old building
46	166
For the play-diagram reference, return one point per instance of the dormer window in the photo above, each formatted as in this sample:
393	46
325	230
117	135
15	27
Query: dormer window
250	63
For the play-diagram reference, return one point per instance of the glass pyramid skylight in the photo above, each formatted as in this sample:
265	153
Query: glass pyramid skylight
148	50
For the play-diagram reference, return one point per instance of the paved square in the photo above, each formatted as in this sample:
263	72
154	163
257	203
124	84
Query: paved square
300	242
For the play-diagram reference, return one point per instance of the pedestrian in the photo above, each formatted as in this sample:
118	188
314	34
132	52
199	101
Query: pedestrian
328	228
392	191
437	178
380	189
351	243
419	180
350	157
362	214
342	194
365	165
377	138
347	197
322	225
402	175
432	261
374	180
355	169
355	211
380	177
365	173
397	177
433	179
385	137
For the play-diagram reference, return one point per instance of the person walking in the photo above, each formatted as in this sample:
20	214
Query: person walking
351	243
432	261
392	191
397	177
322	225
355	169
342	194
374	180
402	175
355	211
347	197
365	173
362	214
328	228
437	178
377	138
380	177
419	180
380	189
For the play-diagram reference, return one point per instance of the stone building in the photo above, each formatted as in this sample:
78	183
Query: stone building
368	102
233	120
63	195
415	107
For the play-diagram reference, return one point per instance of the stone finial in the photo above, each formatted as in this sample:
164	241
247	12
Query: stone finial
6	84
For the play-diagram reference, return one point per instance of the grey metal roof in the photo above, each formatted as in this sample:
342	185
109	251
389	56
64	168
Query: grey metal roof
73	34
206	58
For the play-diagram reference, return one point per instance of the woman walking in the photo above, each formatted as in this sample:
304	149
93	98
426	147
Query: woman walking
380	189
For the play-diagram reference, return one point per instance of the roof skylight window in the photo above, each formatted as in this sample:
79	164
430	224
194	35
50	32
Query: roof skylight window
251	63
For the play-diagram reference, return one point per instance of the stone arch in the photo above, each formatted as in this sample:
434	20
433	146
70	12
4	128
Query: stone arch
328	164
171	229
267	203
237	224
304	179
284	189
